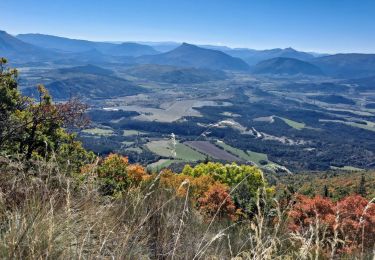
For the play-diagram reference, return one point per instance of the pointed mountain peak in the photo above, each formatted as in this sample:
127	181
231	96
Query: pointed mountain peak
290	49
188	45
189	55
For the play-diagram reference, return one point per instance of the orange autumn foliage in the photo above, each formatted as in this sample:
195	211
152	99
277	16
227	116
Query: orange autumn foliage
216	202
114	167
208	195
115	174
357	221
353	219
88	168
307	210
197	185
137	174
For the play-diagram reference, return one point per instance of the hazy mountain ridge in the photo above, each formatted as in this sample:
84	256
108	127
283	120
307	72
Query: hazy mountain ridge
286	66
131	49
29	48
351	65
252	57
81	46
16	49
188	55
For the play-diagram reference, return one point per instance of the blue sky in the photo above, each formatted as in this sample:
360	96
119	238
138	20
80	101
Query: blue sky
311	25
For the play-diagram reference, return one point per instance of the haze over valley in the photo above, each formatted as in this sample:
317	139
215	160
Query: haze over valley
296	110
174	129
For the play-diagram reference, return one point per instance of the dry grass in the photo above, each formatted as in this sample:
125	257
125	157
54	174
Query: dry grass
46	215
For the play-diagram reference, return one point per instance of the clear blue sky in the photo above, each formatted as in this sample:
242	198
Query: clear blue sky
311	25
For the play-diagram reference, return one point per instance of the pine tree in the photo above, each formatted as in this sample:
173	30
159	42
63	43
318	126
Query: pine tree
325	191
206	160
362	186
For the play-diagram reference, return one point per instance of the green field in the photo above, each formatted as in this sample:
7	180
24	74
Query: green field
162	163
291	123
98	131
257	157
247	156
165	148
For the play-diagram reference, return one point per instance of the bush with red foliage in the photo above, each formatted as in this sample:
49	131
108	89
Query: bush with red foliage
353	218
307	210
216	202
357	222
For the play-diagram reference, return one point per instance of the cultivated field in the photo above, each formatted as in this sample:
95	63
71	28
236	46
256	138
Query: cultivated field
291	123
213	151
165	148
169	111
246	156
161	164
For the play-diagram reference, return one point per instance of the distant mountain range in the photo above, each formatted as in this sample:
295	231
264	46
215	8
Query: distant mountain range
286	66
252	57
77	46
188	55
16	49
351	65
34	48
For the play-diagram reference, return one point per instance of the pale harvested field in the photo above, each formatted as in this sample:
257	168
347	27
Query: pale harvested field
169	111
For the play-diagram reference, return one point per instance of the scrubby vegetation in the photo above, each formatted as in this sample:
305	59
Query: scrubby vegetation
58	200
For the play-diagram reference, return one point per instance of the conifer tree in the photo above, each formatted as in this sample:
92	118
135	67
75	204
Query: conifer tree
362	186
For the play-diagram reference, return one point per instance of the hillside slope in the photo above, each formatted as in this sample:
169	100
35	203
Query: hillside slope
252	57
286	66
175	75
17	50
188	55
81	46
350	65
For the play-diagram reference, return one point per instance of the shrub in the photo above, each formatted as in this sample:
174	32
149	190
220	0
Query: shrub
206	194
357	222
307	211
197	185
244	180
217	203
117	175
113	174
137	174
351	221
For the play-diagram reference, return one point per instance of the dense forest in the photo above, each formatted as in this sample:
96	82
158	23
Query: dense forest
60	200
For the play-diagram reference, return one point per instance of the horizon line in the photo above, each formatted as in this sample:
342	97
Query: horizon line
224	45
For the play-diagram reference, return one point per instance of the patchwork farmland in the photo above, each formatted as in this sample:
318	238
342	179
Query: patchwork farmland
212	151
